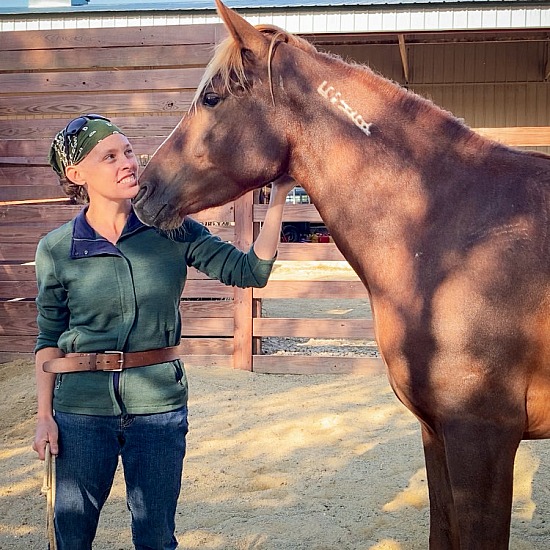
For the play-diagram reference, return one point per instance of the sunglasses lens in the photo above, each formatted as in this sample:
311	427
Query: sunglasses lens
75	126
78	123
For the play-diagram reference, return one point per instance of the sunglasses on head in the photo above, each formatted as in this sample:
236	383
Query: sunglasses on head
74	127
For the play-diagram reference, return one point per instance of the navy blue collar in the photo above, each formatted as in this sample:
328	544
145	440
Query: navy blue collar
86	242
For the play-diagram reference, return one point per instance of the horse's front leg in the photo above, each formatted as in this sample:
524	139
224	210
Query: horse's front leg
443	523
470	475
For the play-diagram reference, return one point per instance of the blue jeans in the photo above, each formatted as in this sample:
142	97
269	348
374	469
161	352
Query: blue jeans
152	448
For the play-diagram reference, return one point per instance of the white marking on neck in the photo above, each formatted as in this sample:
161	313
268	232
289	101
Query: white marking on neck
335	98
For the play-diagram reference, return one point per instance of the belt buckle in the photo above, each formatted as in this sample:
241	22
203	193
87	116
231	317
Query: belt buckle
120	360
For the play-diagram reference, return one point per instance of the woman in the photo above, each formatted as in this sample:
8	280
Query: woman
109	381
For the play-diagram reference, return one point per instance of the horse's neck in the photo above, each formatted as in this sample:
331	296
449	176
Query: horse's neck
372	168
356	114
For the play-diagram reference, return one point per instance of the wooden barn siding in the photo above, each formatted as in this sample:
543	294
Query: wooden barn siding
144	80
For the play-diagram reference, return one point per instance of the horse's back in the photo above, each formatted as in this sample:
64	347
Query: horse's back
512	197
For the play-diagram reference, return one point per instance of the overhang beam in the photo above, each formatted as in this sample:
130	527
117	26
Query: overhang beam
404	58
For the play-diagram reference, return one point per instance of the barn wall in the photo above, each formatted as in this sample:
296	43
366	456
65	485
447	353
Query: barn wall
144	81
488	84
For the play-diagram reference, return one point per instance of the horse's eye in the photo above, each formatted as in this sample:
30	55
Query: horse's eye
211	99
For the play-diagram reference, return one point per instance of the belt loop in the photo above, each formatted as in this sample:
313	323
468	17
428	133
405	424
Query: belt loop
93	361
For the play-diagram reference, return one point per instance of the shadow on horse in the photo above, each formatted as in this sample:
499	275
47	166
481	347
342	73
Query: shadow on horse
448	231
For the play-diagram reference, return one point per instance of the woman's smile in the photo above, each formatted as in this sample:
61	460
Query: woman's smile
130	180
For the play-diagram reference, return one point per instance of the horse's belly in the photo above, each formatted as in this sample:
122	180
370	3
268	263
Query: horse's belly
538	409
538	386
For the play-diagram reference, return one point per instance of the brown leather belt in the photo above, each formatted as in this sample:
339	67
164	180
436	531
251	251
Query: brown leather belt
109	360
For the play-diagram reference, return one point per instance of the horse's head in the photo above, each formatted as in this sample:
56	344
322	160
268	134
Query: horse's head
232	140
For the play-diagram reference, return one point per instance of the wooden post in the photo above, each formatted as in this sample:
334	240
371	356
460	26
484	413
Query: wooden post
256	302
242	338
256	312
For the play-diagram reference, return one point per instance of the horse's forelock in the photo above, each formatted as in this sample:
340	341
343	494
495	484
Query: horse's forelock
226	66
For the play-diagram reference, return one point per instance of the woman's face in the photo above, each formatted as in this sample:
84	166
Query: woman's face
109	171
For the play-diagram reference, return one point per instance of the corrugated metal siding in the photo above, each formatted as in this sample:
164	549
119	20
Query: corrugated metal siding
494	105
56	6
519	61
489	85
316	20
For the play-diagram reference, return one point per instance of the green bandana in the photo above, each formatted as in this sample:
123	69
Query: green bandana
79	145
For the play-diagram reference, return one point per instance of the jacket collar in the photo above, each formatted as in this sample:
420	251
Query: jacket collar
86	242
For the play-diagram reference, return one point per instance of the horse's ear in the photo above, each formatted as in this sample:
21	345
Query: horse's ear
242	31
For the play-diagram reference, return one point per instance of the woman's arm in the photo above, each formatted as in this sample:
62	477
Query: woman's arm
227	263
268	239
46	428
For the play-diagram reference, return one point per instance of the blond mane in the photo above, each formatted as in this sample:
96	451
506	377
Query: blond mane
227	68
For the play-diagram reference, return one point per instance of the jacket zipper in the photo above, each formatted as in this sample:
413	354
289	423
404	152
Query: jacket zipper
116	388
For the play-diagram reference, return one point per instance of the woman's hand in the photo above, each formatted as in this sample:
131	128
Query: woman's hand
46	432
280	188
46	427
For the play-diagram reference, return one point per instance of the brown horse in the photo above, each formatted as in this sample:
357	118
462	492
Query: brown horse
449	232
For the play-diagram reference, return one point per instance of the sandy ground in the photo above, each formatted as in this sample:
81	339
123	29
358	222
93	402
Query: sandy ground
274	462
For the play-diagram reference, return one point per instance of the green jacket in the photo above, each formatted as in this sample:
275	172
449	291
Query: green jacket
94	296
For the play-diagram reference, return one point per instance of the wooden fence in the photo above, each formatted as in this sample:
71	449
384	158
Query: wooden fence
144	80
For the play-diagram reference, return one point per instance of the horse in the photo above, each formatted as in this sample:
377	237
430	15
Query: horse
448	231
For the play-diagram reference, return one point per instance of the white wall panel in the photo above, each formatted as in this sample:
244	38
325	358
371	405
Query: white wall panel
405	18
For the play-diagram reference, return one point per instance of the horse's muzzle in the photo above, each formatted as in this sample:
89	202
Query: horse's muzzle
145	208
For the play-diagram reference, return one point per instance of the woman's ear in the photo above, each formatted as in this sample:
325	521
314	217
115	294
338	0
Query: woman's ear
73	173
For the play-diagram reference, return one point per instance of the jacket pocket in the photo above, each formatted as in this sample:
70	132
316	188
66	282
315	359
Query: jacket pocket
154	388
